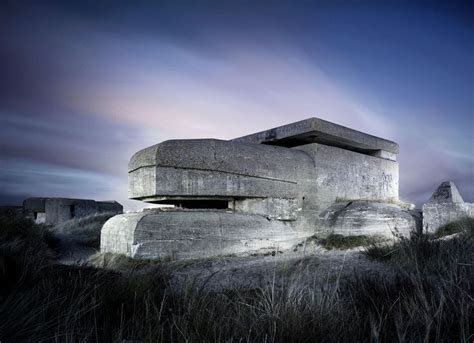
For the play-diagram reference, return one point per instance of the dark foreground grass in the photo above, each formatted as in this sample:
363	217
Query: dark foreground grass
428	298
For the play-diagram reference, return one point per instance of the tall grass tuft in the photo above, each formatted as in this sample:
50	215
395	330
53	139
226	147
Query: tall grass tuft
83	230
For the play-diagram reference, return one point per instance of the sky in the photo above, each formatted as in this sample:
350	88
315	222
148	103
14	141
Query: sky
85	84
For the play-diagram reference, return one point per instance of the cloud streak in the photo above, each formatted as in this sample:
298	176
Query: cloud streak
82	92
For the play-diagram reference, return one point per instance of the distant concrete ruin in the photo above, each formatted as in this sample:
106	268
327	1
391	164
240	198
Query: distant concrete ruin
268	190
445	206
52	211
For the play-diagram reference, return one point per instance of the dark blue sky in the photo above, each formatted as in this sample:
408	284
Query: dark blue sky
85	85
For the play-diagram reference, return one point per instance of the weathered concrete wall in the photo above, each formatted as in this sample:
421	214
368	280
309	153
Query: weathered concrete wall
272	208
469	209
210	167
109	206
369	218
34	204
319	173
341	174
57	210
446	205
195	233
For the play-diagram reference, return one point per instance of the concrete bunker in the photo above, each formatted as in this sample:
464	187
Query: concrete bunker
445	206
267	190
52	211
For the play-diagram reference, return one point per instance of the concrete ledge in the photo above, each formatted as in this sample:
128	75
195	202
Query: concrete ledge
315	130
209	167
201	183
218	155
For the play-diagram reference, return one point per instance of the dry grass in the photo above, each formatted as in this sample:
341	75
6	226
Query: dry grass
428	297
122	263
84	230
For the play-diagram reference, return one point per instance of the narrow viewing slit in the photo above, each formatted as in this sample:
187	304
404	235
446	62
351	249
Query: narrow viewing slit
196	204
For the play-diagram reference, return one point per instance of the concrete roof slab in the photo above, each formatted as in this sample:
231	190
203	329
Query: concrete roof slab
315	130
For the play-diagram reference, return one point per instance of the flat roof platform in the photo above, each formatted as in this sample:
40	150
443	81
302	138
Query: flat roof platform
315	130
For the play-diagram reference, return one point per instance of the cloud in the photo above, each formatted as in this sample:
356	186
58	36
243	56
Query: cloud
80	94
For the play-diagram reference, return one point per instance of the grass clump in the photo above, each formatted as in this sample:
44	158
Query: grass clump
83	230
24	246
337	241
378	251
427	254
122	263
426	250
458	226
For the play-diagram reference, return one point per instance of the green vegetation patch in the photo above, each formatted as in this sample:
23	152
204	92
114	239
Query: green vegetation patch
337	241
461	225
122	262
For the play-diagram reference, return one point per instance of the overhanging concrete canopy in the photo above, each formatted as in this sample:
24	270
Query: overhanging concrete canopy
206	169
315	130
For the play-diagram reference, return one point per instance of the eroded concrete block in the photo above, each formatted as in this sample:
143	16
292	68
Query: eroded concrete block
369	218
195	233
446	205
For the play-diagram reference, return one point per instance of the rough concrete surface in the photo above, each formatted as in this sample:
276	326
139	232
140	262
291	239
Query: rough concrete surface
315	130
340	174
369	218
200	167
446	205
195	233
